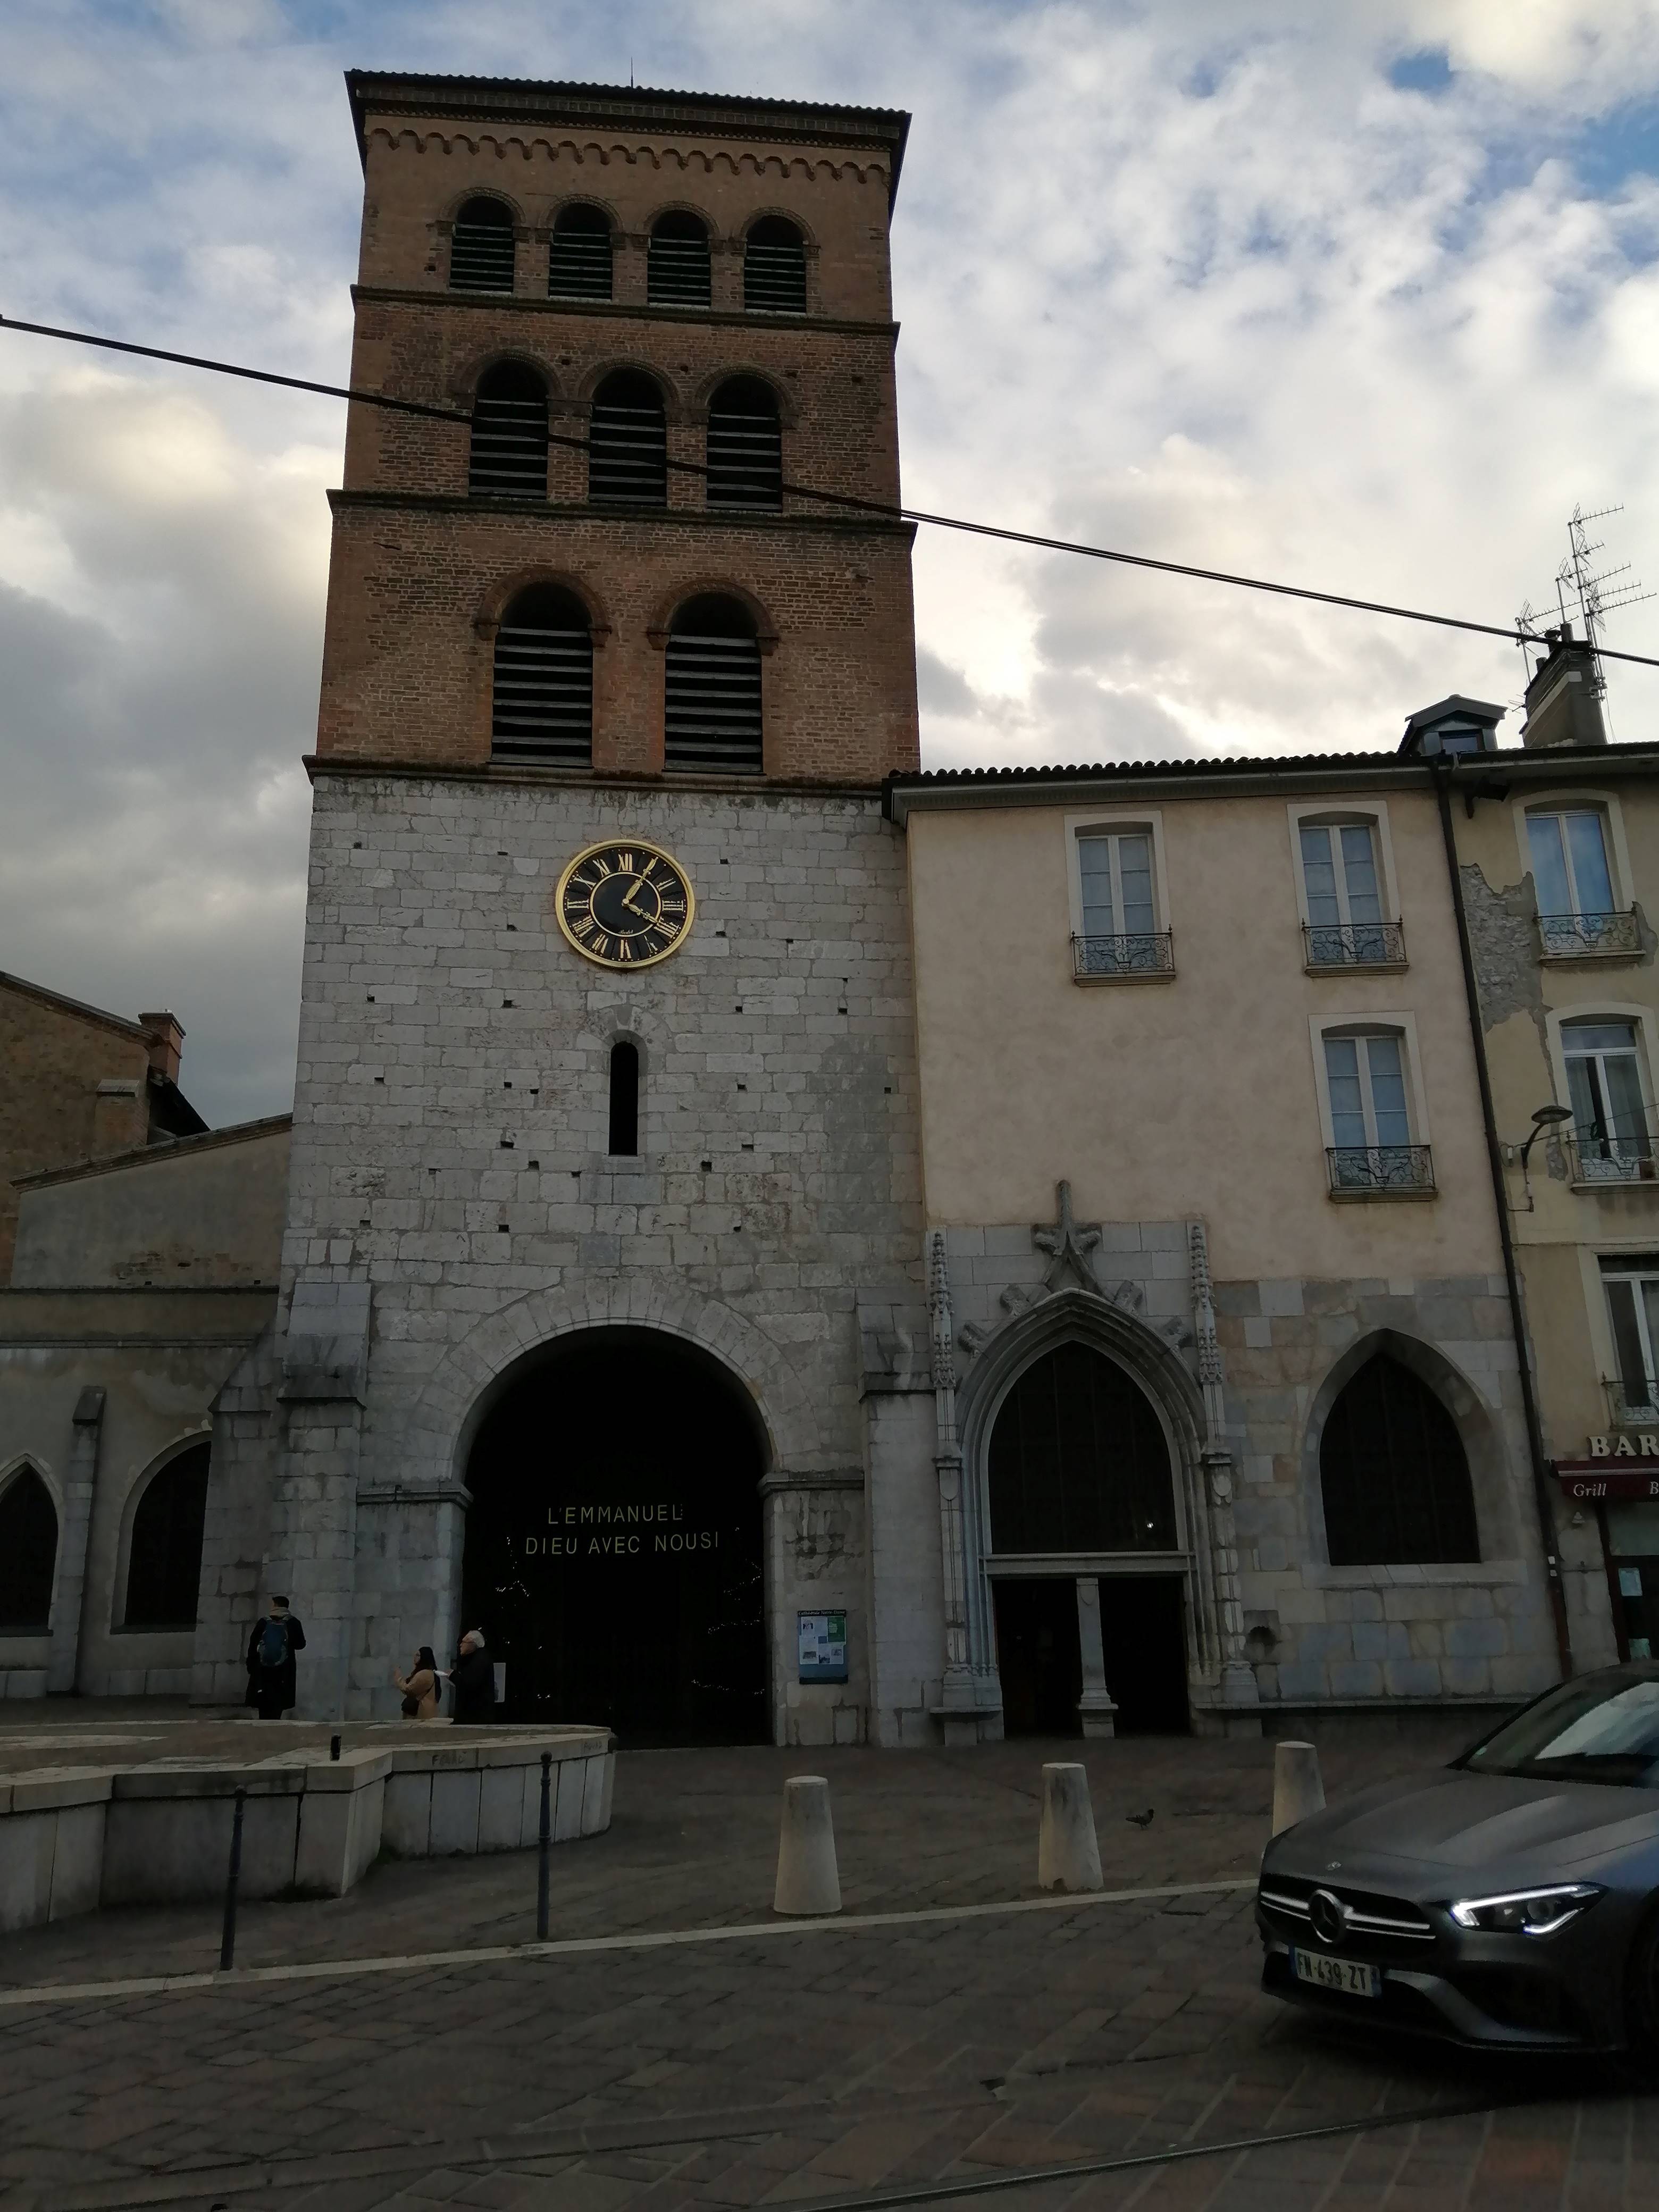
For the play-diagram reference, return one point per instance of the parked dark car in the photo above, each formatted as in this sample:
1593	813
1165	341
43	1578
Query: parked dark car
1510	1901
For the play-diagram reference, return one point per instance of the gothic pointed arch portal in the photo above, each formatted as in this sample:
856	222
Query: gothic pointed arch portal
1085	1438
614	1554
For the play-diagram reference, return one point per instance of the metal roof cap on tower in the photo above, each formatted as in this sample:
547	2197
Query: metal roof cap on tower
644	106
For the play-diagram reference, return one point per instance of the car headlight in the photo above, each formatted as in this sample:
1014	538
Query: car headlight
1526	1911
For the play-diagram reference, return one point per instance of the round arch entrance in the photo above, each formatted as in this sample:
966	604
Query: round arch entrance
1086	1558
614	1543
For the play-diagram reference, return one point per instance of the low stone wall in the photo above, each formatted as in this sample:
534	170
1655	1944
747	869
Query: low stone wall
74	1838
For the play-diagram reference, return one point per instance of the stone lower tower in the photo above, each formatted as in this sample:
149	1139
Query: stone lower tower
605	1124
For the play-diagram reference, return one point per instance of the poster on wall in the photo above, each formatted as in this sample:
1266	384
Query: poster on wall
823	1644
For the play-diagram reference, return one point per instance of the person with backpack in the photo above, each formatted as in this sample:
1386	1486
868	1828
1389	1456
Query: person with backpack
271	1671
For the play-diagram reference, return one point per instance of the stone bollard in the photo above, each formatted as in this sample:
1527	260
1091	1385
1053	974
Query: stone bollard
1298	1788
1068	1856
807	1879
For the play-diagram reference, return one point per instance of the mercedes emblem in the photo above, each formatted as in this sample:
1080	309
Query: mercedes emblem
1329	1917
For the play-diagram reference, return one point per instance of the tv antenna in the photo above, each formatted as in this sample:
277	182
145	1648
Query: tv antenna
1590	592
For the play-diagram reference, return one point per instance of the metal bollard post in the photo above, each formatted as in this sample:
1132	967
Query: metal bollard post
334	1746
543	1847
227	1939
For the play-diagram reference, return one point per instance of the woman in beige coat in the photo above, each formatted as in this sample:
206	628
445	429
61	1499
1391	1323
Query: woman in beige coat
423	1689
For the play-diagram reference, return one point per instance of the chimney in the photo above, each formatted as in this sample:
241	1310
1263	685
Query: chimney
165	1040
1563	698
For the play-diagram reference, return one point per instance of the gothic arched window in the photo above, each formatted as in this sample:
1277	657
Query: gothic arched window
542	706
509	434
745	445
1079	1461
775	267
164	1559
628	441
480	247
29	1554
1393	1474
579	255
624	1140
712	704
677	262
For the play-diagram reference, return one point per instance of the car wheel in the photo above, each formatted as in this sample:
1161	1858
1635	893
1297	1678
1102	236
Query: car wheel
1642	1991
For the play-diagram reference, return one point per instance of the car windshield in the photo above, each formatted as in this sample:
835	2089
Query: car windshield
1604	1727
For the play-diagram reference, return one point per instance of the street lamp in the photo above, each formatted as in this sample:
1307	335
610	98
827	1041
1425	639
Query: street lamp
1546	1117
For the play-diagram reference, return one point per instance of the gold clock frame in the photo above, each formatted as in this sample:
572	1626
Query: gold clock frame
609	845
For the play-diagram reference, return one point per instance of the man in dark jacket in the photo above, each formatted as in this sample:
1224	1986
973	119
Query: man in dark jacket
271	1671
474	1677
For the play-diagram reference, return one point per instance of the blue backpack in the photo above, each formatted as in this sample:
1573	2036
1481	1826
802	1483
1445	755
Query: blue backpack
273	1643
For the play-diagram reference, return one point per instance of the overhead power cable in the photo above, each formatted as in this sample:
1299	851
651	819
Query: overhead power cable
1512	633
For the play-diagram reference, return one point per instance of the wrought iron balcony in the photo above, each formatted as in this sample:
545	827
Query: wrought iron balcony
1380	1170
1145	956
1586	936
1342	944
1633	1400
1622	1152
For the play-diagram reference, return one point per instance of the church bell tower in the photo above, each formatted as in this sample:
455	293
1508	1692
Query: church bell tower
605	1122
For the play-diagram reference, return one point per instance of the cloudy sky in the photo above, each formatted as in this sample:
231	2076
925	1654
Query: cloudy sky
1362	295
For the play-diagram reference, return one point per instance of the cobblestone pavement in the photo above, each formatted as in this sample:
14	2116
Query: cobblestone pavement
834	2065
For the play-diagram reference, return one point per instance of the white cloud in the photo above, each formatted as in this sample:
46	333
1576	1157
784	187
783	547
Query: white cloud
1197	280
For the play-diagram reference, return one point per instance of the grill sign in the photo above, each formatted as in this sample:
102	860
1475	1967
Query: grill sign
1600	1477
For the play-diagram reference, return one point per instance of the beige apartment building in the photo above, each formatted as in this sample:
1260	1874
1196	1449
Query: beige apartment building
1238	1411
1559	850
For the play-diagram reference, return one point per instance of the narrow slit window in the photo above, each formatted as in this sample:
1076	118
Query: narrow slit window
745	445
579	255
480	247
29	1554
627	442
712	709
677	266
624	1142
775	267
508	458
542	706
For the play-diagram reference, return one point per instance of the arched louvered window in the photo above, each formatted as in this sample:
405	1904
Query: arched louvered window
164	1559
579	255
1393	1474
712	706
624	1142
745	445
628	441
509	434
29	1554
1079	1461
481	248
542	709
677	263
775	267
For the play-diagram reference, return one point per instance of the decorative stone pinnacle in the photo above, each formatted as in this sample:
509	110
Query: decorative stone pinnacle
1068	1245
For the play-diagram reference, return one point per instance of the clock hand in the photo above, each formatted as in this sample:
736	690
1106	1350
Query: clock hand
628	902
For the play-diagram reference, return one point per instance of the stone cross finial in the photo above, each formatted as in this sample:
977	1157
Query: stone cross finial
1068	1243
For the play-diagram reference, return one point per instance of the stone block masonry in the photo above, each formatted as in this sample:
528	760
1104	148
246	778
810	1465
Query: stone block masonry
449	1153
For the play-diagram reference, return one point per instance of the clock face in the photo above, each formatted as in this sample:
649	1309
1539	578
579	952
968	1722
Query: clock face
624	904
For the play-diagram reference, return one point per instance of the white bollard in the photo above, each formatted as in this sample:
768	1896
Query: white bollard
1068	1856
807	1879
1298	1788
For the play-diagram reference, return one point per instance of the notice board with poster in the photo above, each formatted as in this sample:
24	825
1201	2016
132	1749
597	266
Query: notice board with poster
822	1646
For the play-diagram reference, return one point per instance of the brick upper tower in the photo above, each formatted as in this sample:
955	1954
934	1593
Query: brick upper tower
686	279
